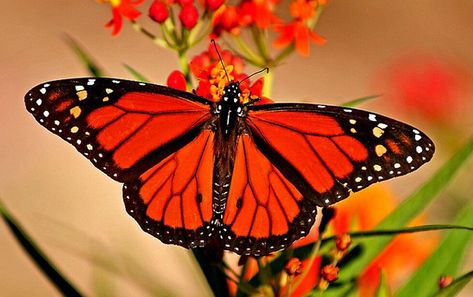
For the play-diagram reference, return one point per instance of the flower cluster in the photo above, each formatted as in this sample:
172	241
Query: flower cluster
208	69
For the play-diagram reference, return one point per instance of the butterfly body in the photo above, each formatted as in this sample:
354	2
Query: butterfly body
247	176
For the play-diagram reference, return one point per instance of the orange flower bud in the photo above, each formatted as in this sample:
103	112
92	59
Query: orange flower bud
330	273
293	266
343	242
444	281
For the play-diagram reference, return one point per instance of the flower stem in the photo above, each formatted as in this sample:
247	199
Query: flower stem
259	40
268	84
159	41
312	255
183	62
249	55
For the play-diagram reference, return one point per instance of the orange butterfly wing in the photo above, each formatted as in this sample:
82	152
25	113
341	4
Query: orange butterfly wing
173	200
123	127
265	212
334	150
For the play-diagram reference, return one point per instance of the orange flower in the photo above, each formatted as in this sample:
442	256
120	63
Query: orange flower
258	12
363	211
212	77
122	8
298	31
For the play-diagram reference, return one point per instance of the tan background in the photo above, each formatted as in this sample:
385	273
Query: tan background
64	201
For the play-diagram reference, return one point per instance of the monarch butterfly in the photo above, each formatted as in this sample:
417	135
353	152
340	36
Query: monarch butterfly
246	175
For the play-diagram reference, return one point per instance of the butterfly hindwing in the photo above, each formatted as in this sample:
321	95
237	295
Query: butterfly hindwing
173	200
264	211
121	126
335	150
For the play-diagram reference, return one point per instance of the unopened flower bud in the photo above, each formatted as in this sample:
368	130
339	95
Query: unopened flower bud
330	273
343	242
293	266
189	16
444	281
158	12
177	80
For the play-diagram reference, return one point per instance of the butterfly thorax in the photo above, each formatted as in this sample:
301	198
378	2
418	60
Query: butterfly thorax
229	108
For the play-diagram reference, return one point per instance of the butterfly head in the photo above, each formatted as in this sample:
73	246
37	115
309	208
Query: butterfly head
232	92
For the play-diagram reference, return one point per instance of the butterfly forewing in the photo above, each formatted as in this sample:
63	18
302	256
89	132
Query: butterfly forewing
335	150
123	127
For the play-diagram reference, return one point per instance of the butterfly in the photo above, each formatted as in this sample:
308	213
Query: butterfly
249	176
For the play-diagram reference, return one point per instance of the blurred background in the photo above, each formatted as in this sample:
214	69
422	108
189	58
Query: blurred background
417	54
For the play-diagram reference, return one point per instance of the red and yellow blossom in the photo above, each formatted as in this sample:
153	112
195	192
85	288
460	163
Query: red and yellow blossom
208	69
122	8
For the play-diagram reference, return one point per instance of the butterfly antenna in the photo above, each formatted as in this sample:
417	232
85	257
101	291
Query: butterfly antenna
257	72
220	58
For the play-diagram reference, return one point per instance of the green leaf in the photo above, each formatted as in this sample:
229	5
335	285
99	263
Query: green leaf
404	230
406	212
138	76
383	288
84	57
359	101
446	260
455	287
37	255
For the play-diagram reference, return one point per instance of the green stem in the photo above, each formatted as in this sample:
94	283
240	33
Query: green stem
268	84
249	54
159	41
313	254
259	40
183	62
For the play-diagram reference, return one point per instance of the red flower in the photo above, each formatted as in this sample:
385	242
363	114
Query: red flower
177	80
189	16
298	31
158	11
122	8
